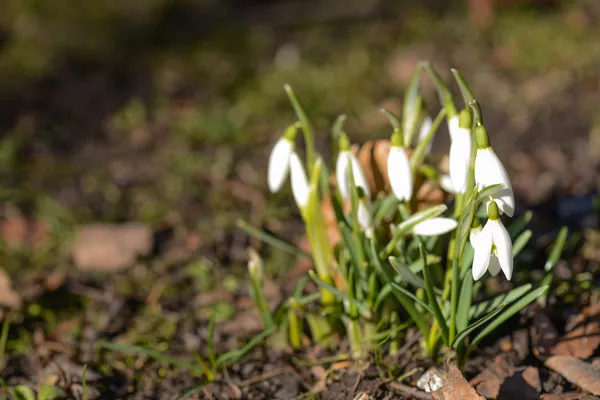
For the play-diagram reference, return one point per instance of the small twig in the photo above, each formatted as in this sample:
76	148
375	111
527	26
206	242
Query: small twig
355	386
410	391
261	377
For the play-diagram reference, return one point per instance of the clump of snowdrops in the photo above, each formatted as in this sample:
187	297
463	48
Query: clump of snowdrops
399	264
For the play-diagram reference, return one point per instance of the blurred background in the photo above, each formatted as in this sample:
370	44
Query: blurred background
161	114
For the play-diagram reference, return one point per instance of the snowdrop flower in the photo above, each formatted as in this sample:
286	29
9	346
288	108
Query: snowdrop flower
279	159
398	168
490	171
300	187
493	248
425	128
459	127
446	183
345	159
364	215
475	231
434	226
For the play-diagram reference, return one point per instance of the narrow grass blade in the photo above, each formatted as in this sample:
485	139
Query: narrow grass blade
393	118
557	249
307	128
509	312
193	391
338	126
419	154
133	349
486	306
271	240
421	216
3	340
363	308
234	356
433	301
486	192
467	95
515	227
462	334
413	102
464	303
399	289
521	241
409	276
386	208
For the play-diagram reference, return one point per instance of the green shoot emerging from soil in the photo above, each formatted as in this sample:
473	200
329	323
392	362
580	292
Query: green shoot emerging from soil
392	258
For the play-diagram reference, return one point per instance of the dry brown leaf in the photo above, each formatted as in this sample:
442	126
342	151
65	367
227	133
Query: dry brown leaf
583	335
488	382
8	296
456	387
576	371
110	248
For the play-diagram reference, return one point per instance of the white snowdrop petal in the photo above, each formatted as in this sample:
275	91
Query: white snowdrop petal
399	173
481	258
299	181
473	235
446	183
453	126
279	164
364	216
341	175
489	170
501	240
494	266
460	151
359	176
434	226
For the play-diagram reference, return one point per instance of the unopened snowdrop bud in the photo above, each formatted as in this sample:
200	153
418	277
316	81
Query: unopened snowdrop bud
489	171
434	226
279	159
255	265
460	149
398	166
299	181
364	214
345	159
493	248
425	128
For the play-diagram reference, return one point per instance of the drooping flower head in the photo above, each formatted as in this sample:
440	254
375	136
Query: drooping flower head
424	131
346	159
459	126
490	171
493	247
365	220
434	226
398	168
300	188
279	159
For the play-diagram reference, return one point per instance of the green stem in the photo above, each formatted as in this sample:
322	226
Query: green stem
308	130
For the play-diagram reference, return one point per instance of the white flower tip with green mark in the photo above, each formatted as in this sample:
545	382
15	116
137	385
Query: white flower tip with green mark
300	188
460	152
434	226
489	171
255	265
399	173
493	250
345	159
279	164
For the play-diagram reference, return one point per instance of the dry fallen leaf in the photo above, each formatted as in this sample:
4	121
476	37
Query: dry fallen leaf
568	396
8	297
489	381
110	248
583	335
456	387
576	371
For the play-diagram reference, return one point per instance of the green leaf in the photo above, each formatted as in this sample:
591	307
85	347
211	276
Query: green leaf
419	154
557	249
385	209
464	303
49	392
393	118
486	192
519	223
22	392
433	301
399	289
362	307
307	127
338	126
467	330
3	339
467	95
444	94
409	276
509	312
234	356
484	307
192	391
271	240
404	300
521	241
